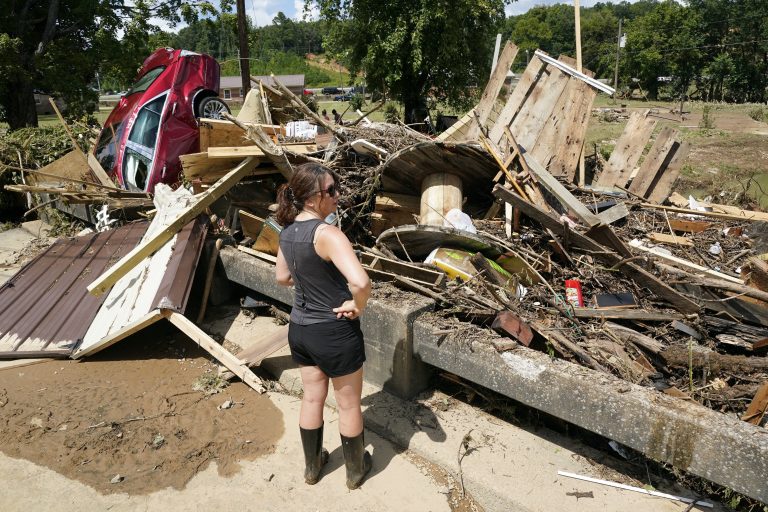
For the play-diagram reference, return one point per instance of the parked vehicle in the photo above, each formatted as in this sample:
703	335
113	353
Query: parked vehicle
343	97
307	92
331	90
155	121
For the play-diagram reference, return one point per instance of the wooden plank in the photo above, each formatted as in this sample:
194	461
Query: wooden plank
264	346
654	160
680	262
258	254
604	235
564	159
628	150
625	314
666	177
750	216
388	266
535	112
130	260
614	213
516	99
634	272
99	172
722	209
200	166
664	238
251	224
19	363
689	226
458	131
560	192
493	87
756	410
225	357
223	133
134	327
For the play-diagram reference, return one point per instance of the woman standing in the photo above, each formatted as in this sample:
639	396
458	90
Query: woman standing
331	291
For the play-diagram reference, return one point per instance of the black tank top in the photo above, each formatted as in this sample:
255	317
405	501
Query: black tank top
318	285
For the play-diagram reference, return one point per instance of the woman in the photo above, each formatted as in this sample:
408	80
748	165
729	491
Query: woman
331	292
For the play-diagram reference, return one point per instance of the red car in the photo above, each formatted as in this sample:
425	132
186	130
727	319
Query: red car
156	120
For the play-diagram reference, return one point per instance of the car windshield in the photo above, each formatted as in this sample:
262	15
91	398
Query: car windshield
144	82
106	148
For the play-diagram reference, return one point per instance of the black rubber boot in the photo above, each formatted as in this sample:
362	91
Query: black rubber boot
357	460
315	456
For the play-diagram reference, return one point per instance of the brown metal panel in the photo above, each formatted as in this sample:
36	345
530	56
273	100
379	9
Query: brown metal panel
174	289
45	308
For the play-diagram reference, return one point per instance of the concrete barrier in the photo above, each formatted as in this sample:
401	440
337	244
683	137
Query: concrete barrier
709	444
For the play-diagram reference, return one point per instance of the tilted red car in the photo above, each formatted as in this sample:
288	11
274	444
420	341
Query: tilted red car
156	120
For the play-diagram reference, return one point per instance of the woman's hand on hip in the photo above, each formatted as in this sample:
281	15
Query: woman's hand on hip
348	309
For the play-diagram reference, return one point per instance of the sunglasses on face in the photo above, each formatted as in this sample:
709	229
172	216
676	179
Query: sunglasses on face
332	190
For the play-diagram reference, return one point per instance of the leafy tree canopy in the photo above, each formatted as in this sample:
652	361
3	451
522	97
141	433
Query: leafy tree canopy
58	46
415	48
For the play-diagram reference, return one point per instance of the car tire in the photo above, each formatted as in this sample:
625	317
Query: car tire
212	107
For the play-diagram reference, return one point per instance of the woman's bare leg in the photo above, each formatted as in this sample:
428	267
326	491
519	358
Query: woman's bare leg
315	391
348	390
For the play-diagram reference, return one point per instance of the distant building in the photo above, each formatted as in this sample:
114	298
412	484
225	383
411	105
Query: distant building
231	90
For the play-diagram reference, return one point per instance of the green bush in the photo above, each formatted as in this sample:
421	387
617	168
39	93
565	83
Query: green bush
391	113
759	114
707	118
357	101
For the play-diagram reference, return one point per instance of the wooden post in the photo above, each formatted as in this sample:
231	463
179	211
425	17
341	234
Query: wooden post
440	192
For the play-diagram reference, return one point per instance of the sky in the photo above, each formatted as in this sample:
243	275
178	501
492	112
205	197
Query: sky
263	11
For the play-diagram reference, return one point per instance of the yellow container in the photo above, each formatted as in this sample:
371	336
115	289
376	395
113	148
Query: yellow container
454	262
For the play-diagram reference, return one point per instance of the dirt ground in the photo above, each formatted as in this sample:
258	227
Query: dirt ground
132	411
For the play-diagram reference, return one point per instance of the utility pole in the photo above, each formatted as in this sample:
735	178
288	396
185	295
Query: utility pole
577	22
242	32
616	69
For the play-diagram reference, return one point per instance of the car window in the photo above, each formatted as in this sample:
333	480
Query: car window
106	147
144	130
143	83
140	147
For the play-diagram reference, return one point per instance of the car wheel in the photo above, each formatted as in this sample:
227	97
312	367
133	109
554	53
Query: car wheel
212	107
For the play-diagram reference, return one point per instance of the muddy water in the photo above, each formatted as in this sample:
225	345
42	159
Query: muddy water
131	411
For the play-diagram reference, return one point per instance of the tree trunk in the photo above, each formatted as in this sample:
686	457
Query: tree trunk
20	110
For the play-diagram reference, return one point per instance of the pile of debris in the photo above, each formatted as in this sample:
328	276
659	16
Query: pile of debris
493	219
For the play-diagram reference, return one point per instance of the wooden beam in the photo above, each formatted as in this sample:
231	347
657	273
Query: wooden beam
656	161
748	215
667	176
516	99
632	271
663	238
207	343
734	212
148	247
628	150
560	192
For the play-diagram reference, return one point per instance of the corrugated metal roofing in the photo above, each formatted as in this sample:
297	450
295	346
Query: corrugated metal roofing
45	309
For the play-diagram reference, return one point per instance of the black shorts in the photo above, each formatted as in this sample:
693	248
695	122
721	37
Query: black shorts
336	347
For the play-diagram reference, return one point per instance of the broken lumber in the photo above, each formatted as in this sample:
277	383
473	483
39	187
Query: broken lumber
260	349
626	334
756	410
600	252
683	263
625	314
130	260
225	357
493	87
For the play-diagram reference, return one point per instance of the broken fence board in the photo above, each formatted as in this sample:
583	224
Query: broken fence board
565	158
264	347
665	180
632	271
658	156
130	260
516	100
664	238
756	410
628	150
225	357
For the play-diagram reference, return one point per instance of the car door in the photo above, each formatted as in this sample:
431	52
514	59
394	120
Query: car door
140	148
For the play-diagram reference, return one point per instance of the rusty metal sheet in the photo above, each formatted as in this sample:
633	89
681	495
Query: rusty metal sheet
45	309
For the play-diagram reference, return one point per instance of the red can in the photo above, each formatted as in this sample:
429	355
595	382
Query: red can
573	293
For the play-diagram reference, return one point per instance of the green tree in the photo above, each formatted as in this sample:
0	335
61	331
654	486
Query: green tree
415	48
58	45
